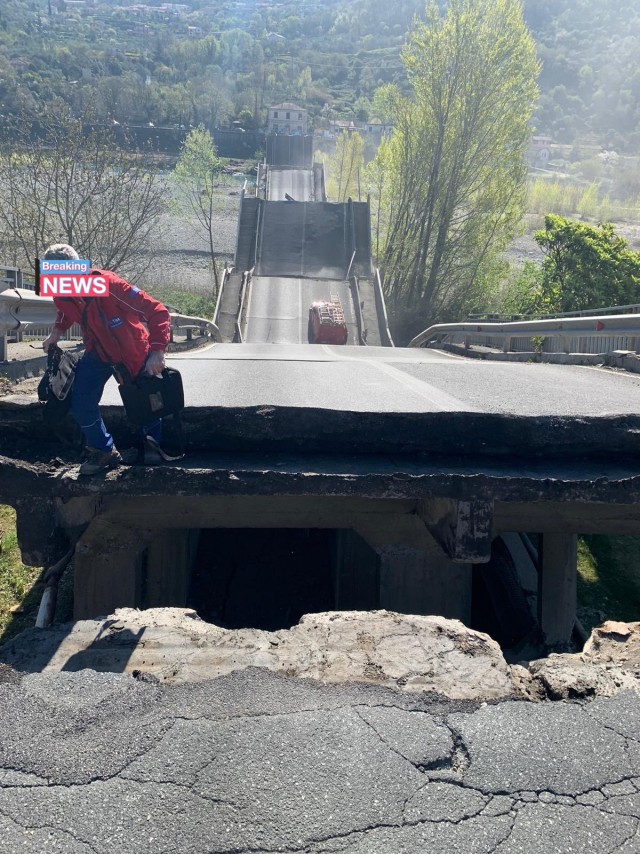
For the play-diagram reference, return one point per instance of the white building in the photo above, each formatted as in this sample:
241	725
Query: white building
287	119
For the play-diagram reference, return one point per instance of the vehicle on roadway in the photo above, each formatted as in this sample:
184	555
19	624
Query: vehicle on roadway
327	324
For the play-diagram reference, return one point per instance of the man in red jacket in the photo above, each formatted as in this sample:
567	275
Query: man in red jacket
128	328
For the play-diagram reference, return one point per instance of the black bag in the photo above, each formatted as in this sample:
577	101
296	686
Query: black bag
146	399
56	386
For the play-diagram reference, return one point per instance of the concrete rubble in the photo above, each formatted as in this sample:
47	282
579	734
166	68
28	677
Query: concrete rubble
608	664
411	653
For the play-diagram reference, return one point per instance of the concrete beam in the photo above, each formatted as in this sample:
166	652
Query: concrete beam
415	577
557	582
108	568
578	517
251	511
461	528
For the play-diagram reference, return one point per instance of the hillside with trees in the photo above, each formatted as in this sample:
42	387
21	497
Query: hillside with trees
218	63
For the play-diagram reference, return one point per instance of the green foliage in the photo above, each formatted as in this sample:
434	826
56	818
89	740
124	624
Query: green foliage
586	266
196	175
524	291
456	172
136	68
185	302
198	160
589	79
608	579
16	580
570	199
344	168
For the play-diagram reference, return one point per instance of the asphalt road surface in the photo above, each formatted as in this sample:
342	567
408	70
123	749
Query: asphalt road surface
278	309
303	239
255	762
383	379
298	183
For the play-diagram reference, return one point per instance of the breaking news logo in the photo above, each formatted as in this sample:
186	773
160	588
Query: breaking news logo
71	279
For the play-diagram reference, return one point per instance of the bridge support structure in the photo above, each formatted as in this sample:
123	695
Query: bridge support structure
557	583
384	557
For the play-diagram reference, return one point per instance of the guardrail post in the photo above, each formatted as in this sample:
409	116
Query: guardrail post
467	342
189	334
4	353
506	345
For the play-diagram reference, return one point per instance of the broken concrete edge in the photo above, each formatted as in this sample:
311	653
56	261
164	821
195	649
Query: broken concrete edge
402	652
334	476
314	430
471	501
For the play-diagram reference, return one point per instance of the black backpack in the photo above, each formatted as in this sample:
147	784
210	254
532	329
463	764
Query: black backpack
56	386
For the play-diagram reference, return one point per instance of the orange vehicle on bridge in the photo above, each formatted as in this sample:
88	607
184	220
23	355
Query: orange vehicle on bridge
327	324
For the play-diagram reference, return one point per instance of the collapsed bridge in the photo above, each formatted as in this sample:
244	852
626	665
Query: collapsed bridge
398	473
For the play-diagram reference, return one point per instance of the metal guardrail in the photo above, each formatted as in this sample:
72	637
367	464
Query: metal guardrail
620	326
586	312
21	309
225	275
355	296
350	229
353	256
246	281
238	232
257	249
381	310
185	321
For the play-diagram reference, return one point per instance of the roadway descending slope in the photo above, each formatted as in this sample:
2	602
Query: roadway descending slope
303	239
278	308
297	183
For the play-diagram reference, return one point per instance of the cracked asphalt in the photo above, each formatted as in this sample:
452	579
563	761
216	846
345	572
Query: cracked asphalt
257	762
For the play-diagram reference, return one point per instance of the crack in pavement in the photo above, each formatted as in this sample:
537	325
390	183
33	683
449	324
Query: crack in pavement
60	830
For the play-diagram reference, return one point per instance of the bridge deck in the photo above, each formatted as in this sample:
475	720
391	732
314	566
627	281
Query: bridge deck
278	308
381	379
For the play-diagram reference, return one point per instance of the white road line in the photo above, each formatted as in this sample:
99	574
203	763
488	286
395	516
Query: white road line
445	401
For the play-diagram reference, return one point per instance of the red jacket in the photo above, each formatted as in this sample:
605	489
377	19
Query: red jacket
112	326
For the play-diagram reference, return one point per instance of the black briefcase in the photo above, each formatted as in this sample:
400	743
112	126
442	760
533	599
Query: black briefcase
146	399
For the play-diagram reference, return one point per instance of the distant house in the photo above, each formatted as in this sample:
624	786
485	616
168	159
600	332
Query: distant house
369	130
287	119
539	152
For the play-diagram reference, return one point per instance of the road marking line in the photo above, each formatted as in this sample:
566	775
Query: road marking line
445	401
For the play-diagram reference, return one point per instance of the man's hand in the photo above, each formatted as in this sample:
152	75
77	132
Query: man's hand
52	340
155	363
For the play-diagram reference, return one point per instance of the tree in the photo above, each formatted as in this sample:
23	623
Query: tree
376	177
586	266
197	173
62	179
344	167
456	159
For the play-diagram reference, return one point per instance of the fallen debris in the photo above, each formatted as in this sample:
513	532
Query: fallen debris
412	653
402	651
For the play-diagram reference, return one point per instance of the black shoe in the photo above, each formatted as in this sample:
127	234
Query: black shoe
98	461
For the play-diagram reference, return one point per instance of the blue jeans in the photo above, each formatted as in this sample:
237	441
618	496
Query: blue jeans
91	377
